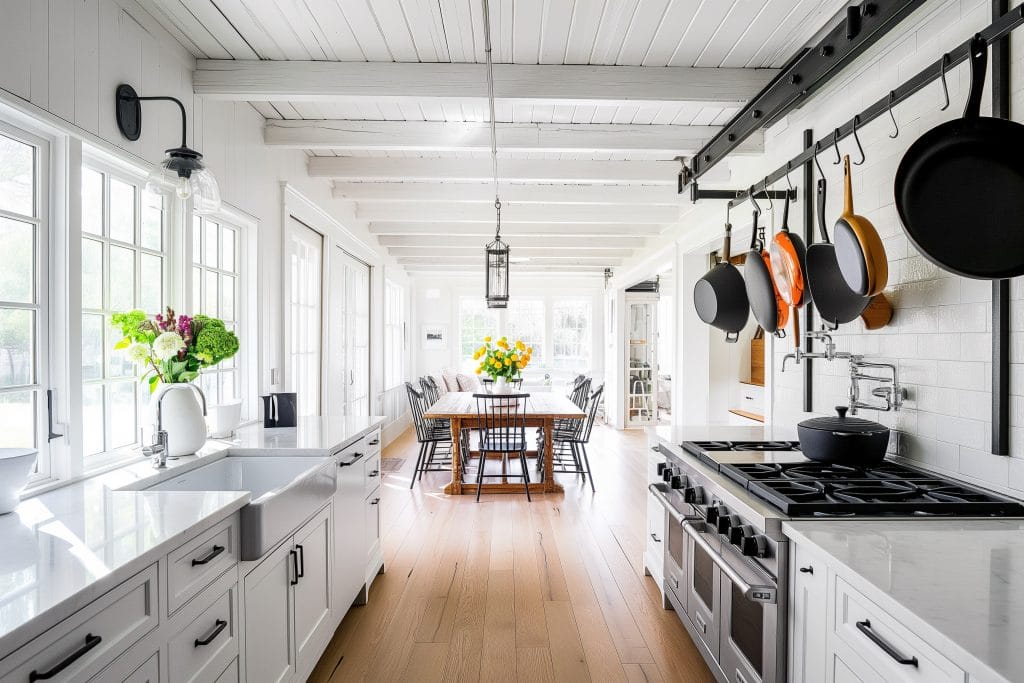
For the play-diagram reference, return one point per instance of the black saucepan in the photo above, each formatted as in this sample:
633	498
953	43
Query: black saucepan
835	301
843	440
766	305
720	297
960	189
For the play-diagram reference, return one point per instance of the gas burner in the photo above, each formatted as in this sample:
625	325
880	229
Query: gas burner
765	446
696	447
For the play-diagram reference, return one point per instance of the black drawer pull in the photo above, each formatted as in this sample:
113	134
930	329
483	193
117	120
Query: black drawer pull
219	626
655	537
375	473
807	570
376	440
865	628
91	641
302	561
295	566
374	501
206	559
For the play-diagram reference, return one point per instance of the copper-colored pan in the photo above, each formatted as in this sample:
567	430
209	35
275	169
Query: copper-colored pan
859	249
789	263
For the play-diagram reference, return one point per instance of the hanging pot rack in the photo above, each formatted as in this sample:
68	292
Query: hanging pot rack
997	30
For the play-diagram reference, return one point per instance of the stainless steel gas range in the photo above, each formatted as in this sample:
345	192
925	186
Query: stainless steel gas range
725	561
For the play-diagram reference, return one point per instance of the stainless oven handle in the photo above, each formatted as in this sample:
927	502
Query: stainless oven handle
763	593
672	512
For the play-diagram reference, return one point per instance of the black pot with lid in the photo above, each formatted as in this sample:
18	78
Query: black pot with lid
843	440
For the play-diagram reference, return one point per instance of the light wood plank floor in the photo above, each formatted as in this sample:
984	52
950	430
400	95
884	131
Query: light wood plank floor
506	590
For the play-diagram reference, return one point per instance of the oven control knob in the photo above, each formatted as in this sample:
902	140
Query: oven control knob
754	546
713	513
726	522
738	534
694	495
666	474
678	481
662	466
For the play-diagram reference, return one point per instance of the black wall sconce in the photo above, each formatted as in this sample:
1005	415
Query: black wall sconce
182	172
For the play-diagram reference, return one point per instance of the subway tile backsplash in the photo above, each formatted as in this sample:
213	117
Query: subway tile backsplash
940	337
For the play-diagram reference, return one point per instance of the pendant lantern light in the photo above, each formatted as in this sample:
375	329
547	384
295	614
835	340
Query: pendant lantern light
496	253
182	172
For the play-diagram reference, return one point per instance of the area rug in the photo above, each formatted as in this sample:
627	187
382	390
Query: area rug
391	464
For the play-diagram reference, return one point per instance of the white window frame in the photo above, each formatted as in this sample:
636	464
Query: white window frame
127	173
45	308
395	329
586	333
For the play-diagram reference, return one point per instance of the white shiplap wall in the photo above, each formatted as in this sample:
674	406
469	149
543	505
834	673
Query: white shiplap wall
62	60
940	336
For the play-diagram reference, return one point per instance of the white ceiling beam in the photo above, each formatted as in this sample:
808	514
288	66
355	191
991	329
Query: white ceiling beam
531	250
253	80
483	193
574	230
604	261
441	136
392	169
517	268
515	213
460	242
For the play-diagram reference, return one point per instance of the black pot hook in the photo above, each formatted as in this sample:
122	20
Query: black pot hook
942	75
895	126
835	145
856	122
789	185
771	204
817	146
750	196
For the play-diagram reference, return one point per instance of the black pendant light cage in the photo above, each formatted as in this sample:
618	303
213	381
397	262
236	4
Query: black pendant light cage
496	265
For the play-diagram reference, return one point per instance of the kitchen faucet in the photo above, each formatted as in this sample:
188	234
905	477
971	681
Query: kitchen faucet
159	449
893	394
829	353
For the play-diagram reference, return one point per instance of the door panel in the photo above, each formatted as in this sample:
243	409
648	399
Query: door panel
313	590
269	649
305	315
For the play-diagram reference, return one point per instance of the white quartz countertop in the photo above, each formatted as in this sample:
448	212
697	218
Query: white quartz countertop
958	584
64	548
679	433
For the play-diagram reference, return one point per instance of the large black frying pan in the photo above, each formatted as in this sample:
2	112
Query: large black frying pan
768	308
720	297
835	301
960	189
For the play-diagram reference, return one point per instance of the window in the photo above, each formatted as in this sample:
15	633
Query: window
394	335
476	321
304	315
216	256
124	266
571	334
524	319
23	293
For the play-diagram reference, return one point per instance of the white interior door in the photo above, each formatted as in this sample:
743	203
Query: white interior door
305	315
348	354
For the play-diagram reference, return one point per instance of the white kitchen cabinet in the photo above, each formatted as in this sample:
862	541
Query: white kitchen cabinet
288	604
349	532
807	617
374	557
657	525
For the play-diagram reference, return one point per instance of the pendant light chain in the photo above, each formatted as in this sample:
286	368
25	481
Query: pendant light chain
490	102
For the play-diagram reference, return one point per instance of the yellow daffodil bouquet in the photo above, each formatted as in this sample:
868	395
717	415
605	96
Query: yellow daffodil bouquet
502	359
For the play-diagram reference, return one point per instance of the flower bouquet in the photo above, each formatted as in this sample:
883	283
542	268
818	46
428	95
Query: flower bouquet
502	361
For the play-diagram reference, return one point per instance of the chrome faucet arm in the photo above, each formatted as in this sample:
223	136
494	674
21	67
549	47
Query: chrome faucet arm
202	396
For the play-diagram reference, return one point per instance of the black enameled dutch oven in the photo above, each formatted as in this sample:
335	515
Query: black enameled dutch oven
843	440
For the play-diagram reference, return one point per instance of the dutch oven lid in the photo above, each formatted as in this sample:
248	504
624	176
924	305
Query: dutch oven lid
842	423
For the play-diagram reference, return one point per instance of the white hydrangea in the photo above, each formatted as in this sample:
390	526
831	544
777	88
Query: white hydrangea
138	353
167	345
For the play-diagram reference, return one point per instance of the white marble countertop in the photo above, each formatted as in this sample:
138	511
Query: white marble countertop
64	548
959	584
676	434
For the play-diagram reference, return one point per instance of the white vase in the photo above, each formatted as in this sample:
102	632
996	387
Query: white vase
501	385
181	416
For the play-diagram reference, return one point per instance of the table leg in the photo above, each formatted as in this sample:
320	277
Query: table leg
454	487
549	454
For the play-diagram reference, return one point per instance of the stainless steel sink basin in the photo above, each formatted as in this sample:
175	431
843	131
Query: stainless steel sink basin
285	491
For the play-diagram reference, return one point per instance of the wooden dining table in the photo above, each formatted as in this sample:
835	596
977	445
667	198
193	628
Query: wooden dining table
542	409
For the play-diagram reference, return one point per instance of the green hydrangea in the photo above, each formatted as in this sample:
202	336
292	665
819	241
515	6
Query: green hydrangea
135	326
213	342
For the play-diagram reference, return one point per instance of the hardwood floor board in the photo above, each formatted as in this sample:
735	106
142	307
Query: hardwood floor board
509	590
533	665
498	657
567	657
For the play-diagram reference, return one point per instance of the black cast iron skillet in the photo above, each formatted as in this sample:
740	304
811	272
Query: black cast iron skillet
960	189
768	309
835	301
720	297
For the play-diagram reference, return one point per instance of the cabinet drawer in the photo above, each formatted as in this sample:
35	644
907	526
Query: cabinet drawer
196	564
230	674
200	651
127	669
149	672
371	473
372	441
883	643
84	643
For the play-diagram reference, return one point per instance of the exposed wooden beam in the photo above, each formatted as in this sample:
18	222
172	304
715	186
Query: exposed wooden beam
515	213
442	136
459	242
483	193
252	80
572	230
517	268
605	261
530	249
390	169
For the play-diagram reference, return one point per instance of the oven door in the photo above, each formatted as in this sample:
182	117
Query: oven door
746	612
703	583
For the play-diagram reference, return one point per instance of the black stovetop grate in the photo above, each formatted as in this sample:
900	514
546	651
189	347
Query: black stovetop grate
701	449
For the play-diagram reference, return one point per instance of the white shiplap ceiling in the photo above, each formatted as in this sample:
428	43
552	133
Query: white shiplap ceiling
566	196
